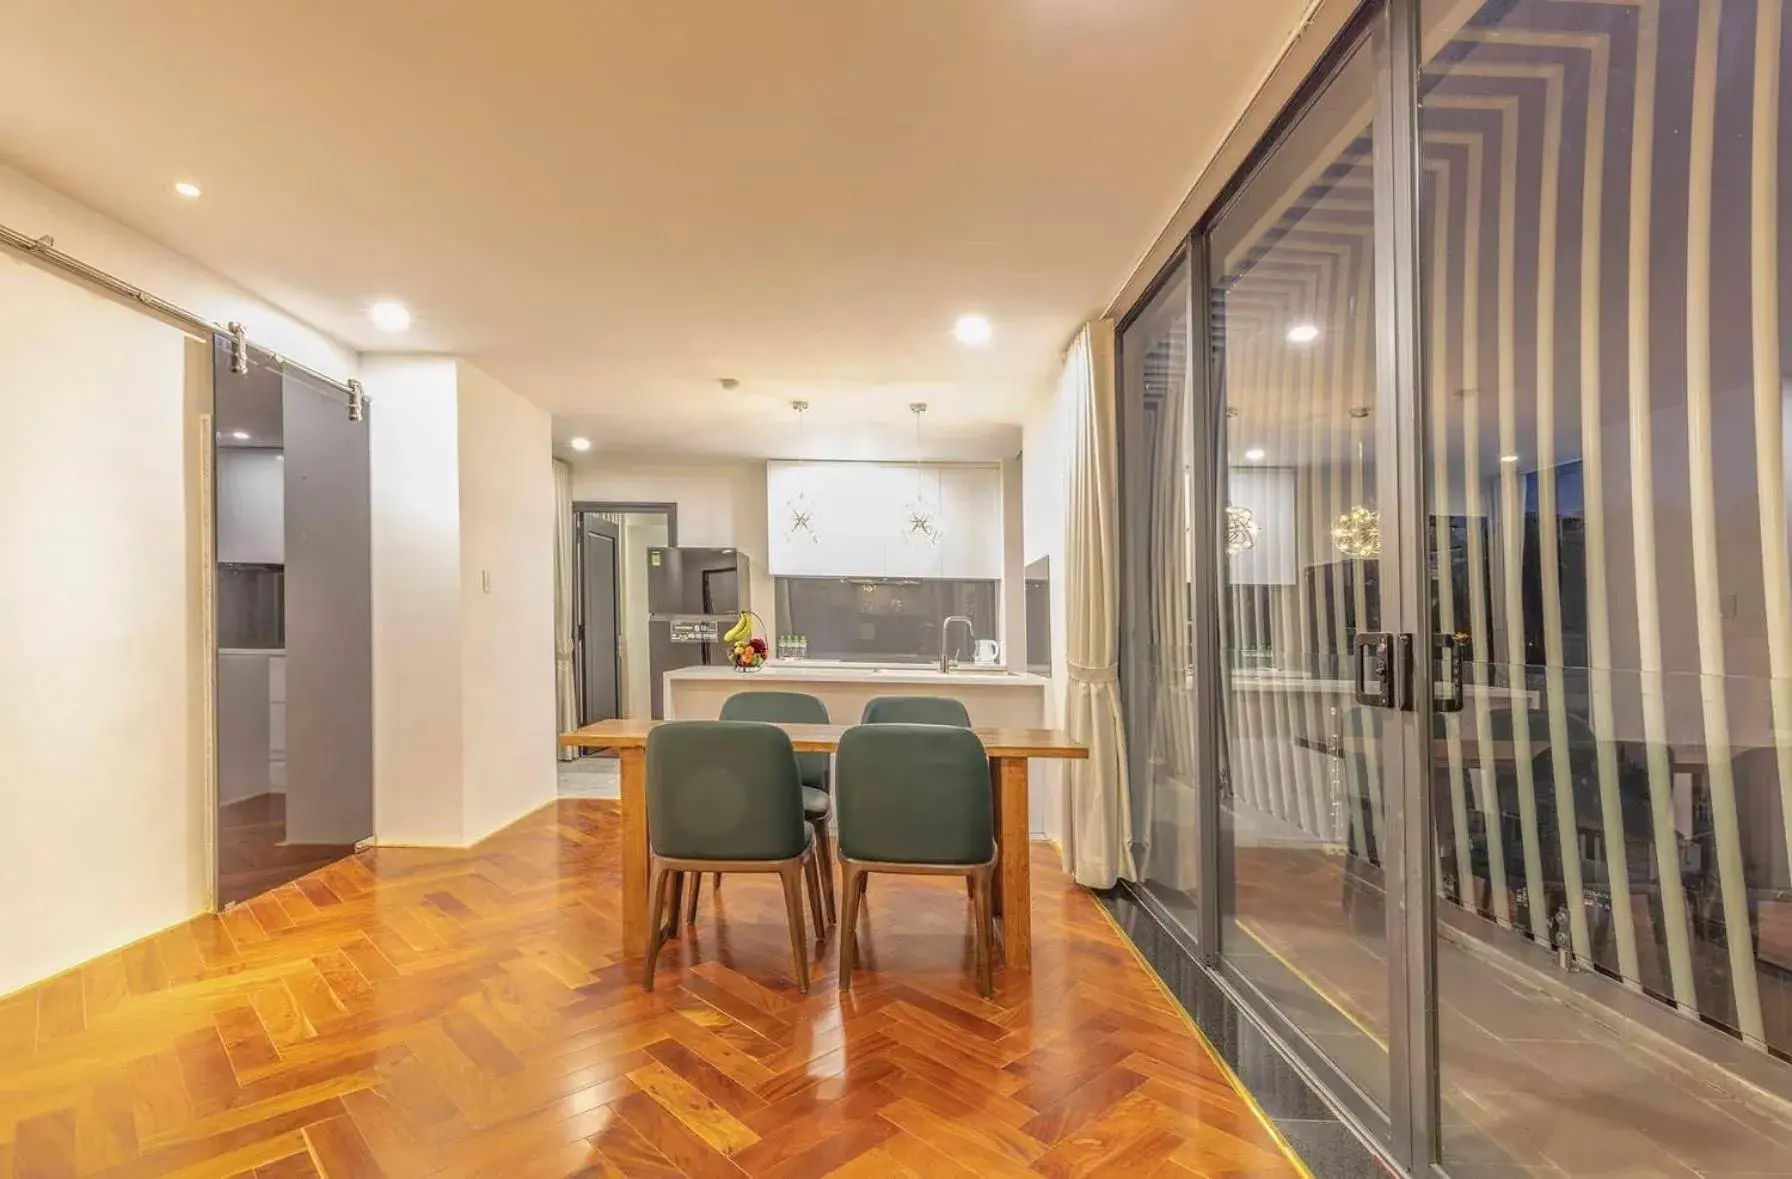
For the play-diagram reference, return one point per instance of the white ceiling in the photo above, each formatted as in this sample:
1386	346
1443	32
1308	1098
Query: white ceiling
611	205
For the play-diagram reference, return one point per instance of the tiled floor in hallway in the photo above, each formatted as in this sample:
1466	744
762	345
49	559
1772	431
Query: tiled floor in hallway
415	1012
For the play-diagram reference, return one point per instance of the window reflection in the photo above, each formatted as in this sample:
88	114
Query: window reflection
1600	239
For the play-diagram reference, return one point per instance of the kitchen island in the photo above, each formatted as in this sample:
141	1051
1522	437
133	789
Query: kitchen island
994	697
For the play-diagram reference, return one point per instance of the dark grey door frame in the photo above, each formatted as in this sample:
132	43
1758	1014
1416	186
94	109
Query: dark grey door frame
622	507
1402	434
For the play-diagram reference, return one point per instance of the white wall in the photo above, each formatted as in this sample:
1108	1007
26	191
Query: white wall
720	504
1045	477
507	614
1014	567
100	626
463	678
34	210
415	484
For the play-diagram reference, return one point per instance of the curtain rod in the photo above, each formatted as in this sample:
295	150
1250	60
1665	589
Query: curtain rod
44	250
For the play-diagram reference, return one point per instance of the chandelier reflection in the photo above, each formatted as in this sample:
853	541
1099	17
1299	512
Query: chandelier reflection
1357	533
1242	529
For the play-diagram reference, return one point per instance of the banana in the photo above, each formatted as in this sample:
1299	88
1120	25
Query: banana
741	630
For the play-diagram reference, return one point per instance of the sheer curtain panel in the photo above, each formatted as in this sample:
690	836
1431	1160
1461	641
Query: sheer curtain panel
1098	818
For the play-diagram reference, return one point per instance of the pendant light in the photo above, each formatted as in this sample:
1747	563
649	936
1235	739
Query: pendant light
799	510
1357	532
921	523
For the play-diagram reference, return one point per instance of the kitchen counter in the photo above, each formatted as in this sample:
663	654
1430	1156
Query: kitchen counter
993	697
883	673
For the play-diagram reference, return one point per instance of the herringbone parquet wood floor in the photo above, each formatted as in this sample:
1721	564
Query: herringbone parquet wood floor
413	1012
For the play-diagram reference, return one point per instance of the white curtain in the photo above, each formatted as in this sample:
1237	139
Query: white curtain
1098	809
566	690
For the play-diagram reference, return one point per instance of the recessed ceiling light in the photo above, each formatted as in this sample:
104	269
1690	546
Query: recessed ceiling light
187	189
240	435
1303	333
390	316
579	444
1254	454
973	330
1508	458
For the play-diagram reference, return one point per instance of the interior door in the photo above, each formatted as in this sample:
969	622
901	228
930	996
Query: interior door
599	621
294	600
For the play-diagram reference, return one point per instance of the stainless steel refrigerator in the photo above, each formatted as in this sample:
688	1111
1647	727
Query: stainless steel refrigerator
693	597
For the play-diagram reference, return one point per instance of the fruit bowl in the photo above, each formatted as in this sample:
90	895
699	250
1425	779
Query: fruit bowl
746	650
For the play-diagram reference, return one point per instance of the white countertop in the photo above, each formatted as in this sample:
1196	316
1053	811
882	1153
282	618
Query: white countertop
819	672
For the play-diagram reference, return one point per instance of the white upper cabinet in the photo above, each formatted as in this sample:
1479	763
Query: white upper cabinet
858	512
251	499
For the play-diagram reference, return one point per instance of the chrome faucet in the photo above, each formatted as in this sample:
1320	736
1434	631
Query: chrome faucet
946	638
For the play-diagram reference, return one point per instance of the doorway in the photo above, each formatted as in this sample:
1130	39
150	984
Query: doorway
610	637
294	608
598	619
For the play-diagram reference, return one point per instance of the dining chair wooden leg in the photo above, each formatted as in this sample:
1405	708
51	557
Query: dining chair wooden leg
792	875
825	865
812	877
980	883
690	911
850	879
677	906
656	926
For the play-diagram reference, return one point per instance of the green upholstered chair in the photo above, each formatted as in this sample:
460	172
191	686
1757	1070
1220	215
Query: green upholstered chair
792	708
915	710
725	796
915	799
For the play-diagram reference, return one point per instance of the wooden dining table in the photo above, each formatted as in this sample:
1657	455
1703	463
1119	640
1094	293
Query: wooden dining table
1009	750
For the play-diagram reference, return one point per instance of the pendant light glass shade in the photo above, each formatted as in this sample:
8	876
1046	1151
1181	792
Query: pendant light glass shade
799	510
922	523
1357	533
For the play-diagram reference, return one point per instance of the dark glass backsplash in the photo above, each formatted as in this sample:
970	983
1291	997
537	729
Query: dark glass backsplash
252	606
884	620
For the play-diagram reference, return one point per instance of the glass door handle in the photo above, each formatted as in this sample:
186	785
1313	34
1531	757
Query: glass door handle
1372	670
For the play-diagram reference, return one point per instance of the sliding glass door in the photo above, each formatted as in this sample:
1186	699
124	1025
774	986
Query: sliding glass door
1604	248
1291	264
294	626
1460	427
1157	637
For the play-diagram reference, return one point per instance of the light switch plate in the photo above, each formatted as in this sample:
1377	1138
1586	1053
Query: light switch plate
485	580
